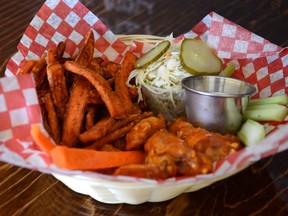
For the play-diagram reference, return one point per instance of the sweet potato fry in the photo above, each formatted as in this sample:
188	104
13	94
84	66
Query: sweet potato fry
119	129
99	130
44	87
51	56
41	63
129	62
110	70
107	71
77	103
85	54
39	71
52	118
114	106
56	54
40	78
27	68
74	116
111	137
36	68
134	117
60	49
94	98
57	81
95	63
121	89
90	116
45	124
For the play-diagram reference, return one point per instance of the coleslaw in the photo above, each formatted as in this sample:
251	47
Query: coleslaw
160	83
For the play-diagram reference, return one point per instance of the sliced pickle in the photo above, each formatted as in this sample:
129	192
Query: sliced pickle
198	58
153	55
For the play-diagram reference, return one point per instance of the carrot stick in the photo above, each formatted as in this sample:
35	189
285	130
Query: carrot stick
41	140
86	159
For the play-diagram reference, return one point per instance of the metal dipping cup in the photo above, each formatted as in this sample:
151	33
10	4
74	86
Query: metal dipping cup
216	103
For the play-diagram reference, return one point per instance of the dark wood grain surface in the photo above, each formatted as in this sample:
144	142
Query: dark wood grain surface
261	189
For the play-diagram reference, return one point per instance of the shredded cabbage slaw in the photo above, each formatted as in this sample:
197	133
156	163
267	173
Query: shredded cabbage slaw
160	83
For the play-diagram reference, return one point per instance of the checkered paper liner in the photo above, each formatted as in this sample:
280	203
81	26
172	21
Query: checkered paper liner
257	60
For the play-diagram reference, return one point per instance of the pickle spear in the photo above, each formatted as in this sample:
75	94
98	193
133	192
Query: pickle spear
198	58
153	54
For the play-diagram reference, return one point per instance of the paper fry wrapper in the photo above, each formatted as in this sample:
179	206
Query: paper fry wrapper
263	64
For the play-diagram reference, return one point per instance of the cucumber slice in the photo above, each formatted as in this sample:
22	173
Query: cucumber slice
198	58
251	132
153	54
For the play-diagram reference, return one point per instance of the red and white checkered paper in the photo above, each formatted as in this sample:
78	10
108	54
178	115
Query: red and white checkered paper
258	61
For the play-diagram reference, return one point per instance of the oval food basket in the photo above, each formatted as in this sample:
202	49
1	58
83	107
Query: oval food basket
121	189
132	190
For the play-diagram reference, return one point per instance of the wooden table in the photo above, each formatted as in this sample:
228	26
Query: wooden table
261	189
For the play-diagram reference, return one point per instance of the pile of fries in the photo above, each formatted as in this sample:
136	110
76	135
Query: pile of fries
85	101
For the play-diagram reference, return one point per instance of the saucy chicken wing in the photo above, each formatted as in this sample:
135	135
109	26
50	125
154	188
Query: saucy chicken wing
167	149
214	145
180	149
143	130
168	156
217	147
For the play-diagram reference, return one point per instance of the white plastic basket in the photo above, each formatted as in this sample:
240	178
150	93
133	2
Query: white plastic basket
133	190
